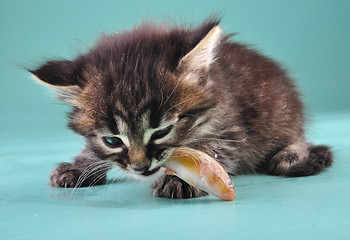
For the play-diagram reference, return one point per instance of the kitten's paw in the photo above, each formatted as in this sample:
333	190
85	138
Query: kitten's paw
296	162
174	187
69	175
64	176
282	161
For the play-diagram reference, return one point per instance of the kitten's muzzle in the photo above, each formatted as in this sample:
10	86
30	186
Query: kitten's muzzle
140	167
143	169
148	173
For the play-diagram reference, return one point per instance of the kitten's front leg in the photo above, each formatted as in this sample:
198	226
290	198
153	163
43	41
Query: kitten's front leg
173	187
85	171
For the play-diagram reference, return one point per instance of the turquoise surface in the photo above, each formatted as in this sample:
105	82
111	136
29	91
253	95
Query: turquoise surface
311	39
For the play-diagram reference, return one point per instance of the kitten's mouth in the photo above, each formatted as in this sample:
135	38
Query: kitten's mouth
162	155
148	173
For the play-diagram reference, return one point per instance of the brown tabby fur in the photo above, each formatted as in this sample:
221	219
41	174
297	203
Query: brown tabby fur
209	92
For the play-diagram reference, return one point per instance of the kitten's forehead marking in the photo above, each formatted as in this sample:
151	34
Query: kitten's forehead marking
146	127
149	132
143	123
121	124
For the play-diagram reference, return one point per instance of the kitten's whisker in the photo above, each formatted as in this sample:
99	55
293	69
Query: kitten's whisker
161	101
98	169
108	185
84	172
88	171
98	178
186	100
175	87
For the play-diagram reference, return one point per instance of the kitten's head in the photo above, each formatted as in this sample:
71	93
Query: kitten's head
137	94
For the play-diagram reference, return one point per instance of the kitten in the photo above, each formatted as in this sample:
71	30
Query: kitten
139	93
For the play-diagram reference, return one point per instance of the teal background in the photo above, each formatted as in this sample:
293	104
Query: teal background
310	38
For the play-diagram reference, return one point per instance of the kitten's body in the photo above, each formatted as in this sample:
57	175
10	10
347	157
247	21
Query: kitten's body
139	93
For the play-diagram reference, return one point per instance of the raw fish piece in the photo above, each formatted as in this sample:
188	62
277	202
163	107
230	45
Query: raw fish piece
200	170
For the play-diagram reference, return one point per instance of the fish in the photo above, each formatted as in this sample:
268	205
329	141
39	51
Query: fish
200	170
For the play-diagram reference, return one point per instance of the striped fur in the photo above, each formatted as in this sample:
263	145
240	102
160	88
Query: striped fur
156	87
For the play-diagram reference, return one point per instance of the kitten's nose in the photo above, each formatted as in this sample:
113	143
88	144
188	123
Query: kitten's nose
140	167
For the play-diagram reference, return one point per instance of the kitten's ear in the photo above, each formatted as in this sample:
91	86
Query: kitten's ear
197	62
62	73
61	76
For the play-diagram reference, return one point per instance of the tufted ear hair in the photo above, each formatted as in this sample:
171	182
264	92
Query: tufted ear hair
61	73
63	77
199	59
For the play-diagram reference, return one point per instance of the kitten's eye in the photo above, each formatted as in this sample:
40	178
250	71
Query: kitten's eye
161	133
113	142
